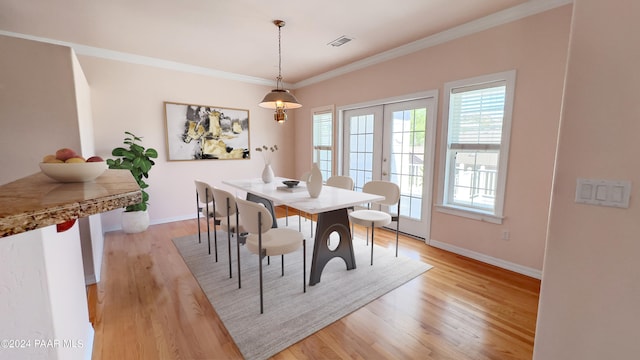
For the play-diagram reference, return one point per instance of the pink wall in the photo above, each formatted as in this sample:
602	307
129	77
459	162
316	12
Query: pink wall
38	113
589	304
44	106
536	47
129	97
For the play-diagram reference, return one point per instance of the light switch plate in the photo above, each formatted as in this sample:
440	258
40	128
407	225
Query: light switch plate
614	193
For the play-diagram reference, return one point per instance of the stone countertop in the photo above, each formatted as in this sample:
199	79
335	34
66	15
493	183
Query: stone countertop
37	201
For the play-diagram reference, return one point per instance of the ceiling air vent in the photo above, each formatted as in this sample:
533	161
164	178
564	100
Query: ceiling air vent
340	41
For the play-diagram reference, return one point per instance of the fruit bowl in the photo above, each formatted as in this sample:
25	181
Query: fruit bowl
291	183
74	172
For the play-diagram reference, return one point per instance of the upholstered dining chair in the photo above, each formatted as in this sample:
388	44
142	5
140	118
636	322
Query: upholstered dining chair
340	181
378	218
263	240
229	222
343	182
207	207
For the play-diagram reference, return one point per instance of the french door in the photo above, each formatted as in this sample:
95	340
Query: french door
395	142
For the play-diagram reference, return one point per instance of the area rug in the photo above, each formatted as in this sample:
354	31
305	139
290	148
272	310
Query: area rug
289	314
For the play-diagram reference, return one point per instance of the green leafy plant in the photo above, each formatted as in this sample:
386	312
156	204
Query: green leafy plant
136	159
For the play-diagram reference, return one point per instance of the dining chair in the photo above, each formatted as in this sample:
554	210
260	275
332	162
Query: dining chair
229	222
340	181
378	218
206	206
343	182
264	241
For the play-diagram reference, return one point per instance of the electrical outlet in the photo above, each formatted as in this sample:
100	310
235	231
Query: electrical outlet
506	235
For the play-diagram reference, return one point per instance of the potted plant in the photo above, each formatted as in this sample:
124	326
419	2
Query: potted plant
135	158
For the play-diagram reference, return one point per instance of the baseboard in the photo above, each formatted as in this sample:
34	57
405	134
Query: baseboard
520	269
524	270
153	222
174	219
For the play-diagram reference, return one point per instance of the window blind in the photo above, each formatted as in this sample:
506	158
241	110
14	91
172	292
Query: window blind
322	129
476	114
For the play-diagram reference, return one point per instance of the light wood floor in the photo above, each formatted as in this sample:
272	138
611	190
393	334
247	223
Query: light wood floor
149	306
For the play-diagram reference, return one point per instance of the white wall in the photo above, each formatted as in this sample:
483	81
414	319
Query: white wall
91	233
590	298
24	291
67	296
42	296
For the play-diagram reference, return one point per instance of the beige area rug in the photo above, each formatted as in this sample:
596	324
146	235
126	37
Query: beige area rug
289	314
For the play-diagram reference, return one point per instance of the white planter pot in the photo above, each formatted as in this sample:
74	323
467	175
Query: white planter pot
135	221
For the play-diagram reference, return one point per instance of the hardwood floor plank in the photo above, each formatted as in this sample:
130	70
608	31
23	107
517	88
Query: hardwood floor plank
149	306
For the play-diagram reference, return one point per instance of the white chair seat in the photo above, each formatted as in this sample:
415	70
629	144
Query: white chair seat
367	217
276	241
225	227
266	241
377	218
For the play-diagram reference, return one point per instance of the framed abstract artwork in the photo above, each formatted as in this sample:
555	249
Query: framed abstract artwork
203	132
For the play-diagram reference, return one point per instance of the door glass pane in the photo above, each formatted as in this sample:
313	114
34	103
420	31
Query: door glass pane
407	159
362	145
369	143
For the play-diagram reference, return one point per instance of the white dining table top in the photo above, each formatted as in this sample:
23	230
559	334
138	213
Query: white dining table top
330	198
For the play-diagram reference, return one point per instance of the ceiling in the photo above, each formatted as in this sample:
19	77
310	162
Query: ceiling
238	36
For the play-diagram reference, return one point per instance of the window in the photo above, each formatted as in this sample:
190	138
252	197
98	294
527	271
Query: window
477	126
323	140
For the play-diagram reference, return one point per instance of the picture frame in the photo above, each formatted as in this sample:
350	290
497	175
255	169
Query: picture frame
206	132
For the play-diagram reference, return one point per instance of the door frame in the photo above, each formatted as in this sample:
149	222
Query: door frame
430	145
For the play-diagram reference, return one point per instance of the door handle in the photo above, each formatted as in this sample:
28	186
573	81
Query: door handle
385	173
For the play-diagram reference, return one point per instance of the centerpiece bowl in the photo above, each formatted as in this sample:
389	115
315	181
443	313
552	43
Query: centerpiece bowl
74	172
291	183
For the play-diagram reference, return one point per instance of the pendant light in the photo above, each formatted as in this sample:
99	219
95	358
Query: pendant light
279	98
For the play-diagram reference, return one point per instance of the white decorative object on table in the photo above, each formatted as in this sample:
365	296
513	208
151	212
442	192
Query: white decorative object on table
314	182
267	174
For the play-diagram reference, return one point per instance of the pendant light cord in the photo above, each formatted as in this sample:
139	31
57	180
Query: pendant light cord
279	82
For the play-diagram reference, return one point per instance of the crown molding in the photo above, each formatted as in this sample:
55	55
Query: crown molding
144	60
518	12
502	17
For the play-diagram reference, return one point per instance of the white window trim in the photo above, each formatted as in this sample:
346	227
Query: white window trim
334	157
498	215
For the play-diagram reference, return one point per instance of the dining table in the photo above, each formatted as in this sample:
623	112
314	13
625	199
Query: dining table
331	208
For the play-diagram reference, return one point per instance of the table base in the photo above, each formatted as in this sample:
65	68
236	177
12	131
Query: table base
329	222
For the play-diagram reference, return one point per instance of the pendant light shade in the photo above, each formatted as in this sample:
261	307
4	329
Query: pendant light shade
279	98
